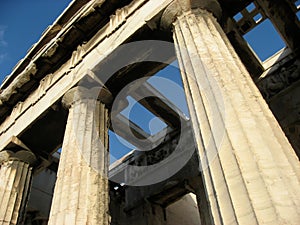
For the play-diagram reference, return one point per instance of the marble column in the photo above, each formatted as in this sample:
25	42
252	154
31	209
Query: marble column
250	171
81	194
15	181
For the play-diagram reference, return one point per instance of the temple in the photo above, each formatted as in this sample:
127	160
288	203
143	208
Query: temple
233	160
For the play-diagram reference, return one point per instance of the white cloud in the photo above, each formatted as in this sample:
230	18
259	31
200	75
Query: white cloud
2	41
2	57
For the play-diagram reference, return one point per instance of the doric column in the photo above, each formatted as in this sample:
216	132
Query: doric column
250	171
81	194
15	181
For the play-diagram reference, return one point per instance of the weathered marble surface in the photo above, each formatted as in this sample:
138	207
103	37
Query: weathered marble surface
251	172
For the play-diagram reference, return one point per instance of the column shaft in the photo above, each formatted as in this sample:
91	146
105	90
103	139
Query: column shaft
15	180
81	194
250	171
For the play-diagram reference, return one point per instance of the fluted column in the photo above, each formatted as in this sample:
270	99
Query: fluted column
250	171
15	181
81	194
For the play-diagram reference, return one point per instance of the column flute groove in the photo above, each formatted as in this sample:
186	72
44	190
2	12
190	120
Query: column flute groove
15	181
210	188
258	137
281	157
236	101
292	158
250	171
81	191
225	207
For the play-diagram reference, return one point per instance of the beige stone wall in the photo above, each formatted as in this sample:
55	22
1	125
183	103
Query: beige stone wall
185	211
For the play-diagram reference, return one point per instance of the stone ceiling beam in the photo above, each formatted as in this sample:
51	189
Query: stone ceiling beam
284	19
159	105
130	131
69	75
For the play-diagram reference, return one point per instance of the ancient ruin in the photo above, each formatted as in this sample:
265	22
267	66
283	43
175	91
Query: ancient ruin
234	160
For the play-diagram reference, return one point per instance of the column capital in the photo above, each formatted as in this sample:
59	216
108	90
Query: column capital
22	155
178	7
80	93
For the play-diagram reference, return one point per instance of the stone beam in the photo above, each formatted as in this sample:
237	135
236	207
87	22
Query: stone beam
159	105
55	85
130	131
284	19
74	31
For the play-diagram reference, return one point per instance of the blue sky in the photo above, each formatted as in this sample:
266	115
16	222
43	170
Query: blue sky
23	21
